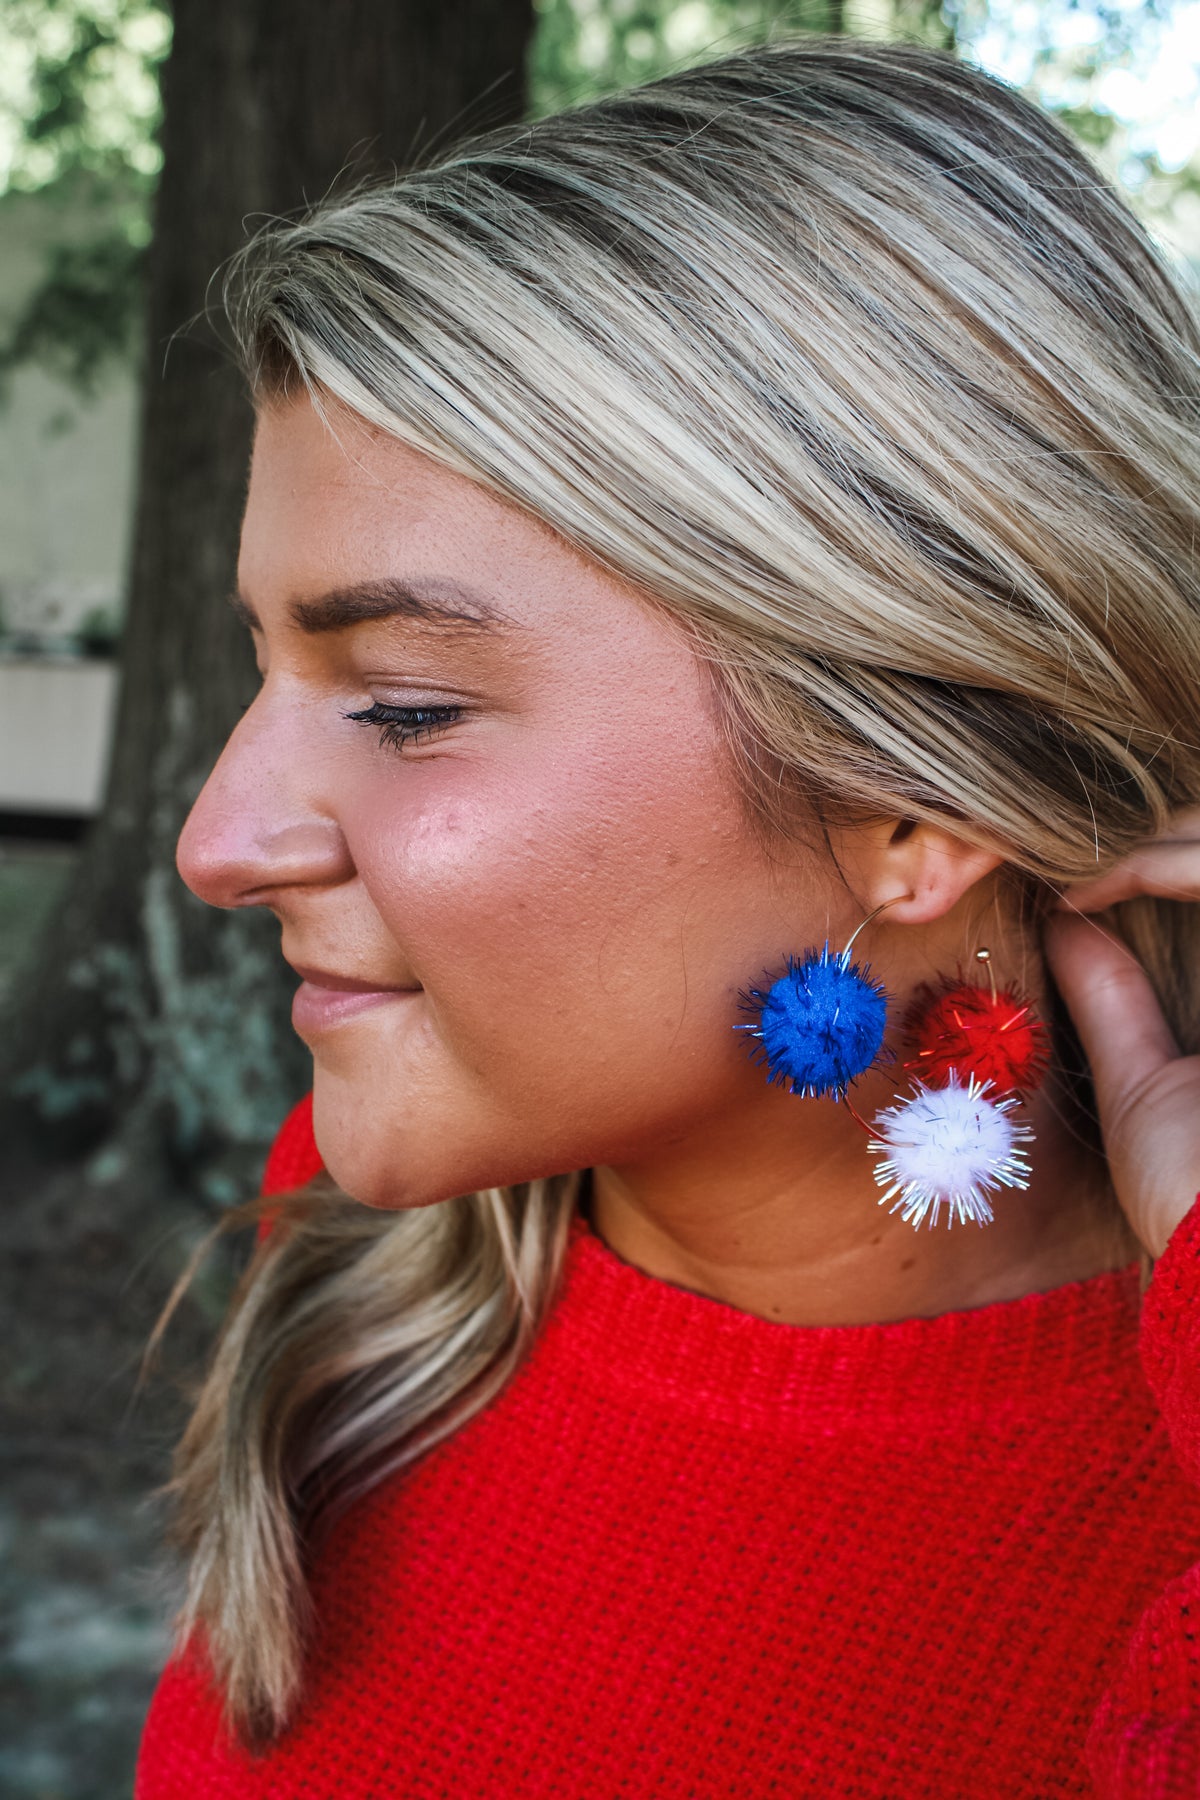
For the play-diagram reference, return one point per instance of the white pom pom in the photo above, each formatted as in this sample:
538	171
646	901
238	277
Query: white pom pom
950	1144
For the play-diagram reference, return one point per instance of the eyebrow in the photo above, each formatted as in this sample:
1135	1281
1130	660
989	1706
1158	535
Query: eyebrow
437	600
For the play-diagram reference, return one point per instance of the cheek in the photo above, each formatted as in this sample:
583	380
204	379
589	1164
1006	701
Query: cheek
580	905
550	917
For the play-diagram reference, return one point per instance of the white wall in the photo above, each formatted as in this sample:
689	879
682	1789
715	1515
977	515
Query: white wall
66	491
55	724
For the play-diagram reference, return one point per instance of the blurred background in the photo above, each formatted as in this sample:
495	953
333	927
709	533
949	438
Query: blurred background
146	1055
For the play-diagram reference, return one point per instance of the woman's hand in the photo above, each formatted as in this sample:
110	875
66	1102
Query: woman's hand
1148	1094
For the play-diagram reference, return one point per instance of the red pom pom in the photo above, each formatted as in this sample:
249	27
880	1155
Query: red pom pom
961	1027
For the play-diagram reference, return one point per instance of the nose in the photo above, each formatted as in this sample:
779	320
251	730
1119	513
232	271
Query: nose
258	827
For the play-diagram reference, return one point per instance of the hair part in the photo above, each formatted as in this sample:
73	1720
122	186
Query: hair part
846	356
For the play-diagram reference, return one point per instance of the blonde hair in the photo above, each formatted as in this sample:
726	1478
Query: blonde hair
846	355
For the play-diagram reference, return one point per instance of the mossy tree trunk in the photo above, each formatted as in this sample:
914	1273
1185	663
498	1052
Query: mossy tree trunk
146	1017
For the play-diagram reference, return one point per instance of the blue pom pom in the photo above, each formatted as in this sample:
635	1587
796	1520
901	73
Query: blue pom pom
820	1024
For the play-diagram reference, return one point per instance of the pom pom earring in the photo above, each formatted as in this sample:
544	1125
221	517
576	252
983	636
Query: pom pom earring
822	1023
954	1144
997	1036
953	1141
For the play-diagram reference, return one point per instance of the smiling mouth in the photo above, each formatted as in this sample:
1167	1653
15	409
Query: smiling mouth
323	1000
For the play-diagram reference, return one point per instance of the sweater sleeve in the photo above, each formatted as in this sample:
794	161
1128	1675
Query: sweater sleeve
1144	1743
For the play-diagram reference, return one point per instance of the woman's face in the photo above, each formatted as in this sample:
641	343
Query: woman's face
545	901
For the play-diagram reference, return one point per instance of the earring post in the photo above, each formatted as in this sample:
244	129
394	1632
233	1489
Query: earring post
984	955
894	901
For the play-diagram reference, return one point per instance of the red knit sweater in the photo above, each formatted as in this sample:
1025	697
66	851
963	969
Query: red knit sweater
691	1552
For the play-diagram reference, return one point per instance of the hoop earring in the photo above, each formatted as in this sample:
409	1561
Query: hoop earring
952	1141
821	1023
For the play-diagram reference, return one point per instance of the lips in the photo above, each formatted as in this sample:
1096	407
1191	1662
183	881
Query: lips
325	999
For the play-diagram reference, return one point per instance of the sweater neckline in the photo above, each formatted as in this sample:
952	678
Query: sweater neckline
1042	1354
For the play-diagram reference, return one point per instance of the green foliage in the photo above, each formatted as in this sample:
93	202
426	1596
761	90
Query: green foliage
79	91
83	312
79	108
1094	129
79	118
586	48
99	632
1121	77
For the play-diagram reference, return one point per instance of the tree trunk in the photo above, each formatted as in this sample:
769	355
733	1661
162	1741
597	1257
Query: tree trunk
148	1017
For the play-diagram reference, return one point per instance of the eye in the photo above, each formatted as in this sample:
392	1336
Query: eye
400	725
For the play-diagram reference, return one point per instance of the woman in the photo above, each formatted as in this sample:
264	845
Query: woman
752	513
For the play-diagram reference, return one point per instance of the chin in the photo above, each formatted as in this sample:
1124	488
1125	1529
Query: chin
400	1171
389	1182
377	1166
396	1160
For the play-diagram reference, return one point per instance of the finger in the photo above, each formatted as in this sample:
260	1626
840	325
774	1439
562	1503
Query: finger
1169	867
1110	998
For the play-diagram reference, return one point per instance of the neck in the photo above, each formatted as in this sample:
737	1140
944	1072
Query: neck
786	1224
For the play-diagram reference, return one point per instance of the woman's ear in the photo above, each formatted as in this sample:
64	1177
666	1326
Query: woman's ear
894	856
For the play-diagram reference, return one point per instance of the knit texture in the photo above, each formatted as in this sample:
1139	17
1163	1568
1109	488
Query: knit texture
691	1552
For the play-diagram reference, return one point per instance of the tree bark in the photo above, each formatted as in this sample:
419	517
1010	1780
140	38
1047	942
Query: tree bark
147	1014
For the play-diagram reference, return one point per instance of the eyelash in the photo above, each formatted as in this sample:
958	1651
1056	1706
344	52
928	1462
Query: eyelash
400	725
